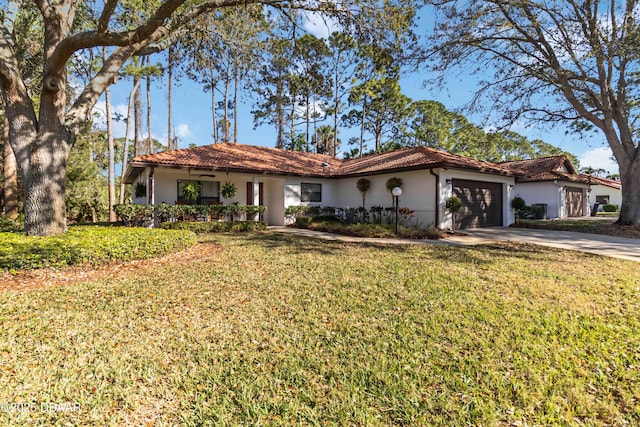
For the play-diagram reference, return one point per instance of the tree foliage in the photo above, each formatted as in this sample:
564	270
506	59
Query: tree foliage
565	61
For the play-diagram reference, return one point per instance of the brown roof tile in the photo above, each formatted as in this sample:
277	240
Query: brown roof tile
243	158
416	158
545	169
253	159
596	180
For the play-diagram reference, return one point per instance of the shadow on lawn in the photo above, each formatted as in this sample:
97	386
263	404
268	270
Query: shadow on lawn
474	255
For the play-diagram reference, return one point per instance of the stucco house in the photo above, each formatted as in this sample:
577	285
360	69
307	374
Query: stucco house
554	182
604	191
279	178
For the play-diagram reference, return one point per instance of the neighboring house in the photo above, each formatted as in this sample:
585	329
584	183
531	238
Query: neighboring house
604	191
280	178
554	182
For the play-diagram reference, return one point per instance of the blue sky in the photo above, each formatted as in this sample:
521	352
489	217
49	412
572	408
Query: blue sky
192	114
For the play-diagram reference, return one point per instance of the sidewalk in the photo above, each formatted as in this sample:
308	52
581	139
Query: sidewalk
611	246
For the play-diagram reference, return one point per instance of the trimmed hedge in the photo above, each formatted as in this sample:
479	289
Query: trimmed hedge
215	227
88	245
610	208
133	215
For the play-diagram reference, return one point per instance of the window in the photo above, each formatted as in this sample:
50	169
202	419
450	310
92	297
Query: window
603	200
310	192
209	192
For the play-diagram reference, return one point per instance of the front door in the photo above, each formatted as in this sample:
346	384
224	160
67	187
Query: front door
260	195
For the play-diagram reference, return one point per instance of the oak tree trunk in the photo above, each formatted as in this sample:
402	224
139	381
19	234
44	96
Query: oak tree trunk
10	183
44	183
630	180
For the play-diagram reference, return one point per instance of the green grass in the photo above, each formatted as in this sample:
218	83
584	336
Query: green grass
280	330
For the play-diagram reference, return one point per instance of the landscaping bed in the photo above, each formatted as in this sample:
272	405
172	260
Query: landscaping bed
334	225
88	245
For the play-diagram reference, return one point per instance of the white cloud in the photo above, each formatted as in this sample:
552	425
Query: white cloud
599	158
100	117
320	25
183	131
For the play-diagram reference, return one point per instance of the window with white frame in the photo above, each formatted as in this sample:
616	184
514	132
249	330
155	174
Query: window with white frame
310	192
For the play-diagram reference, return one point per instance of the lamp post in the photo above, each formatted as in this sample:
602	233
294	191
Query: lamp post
397	192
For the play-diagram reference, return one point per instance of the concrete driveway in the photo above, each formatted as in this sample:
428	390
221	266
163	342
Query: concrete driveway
616	247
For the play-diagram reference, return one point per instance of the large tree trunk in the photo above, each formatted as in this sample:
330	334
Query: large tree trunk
10	184
44	183
630	180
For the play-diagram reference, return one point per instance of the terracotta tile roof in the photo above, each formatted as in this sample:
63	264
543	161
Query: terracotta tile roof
596	180
545	169
253	159
243	158
416	158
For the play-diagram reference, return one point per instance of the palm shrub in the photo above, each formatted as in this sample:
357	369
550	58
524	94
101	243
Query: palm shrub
363	186
191	191
518	204
453	205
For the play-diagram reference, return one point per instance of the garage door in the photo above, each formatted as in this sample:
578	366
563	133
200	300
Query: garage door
481	203
575	202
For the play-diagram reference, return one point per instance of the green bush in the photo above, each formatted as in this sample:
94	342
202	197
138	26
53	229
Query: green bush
133	215
453	204
10	225
372	230
88	245
518	203
215	227
610	208
303	221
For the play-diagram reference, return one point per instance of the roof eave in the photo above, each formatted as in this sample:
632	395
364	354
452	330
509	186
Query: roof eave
143	165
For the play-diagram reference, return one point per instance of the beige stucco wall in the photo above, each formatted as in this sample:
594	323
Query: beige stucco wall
553	194
615	194
418	187
418	194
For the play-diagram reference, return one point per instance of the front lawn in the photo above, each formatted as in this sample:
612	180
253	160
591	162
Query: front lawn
273	329
596	226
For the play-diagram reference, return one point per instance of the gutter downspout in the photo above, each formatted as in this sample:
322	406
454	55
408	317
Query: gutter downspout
437	197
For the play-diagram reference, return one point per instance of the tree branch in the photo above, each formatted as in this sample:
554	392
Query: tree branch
103	21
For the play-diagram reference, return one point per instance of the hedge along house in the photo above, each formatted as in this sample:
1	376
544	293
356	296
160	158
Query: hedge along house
553	182
278	179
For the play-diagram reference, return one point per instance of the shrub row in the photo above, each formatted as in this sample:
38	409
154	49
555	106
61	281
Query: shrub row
88	245
336	225
215	227
146	215
610	208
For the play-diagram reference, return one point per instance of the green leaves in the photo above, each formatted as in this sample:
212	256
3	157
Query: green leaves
88	245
